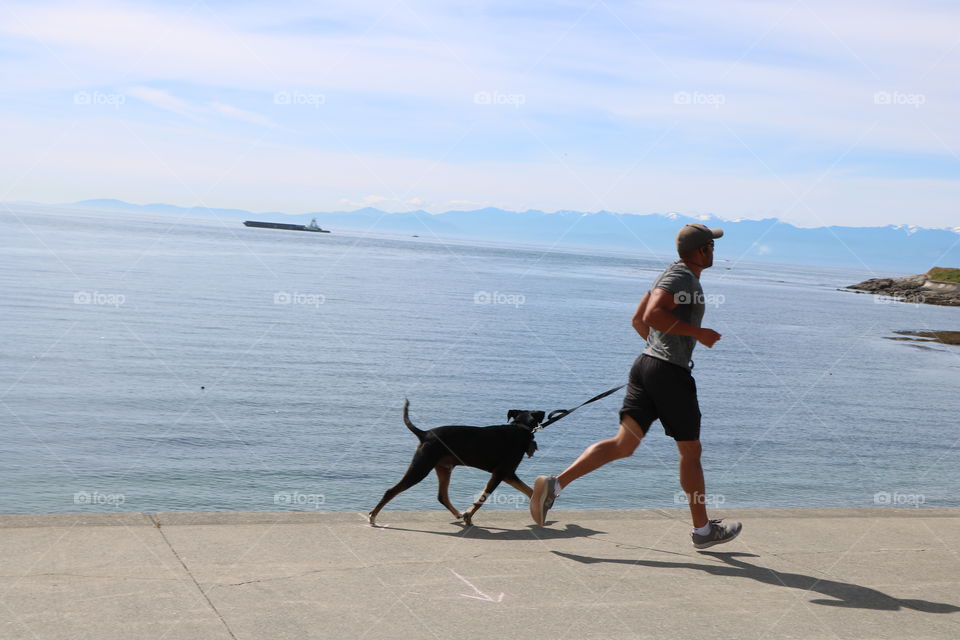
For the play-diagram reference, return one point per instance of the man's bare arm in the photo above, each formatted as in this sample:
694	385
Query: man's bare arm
659	315
639	325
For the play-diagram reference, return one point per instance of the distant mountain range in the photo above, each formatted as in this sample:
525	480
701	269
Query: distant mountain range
893	248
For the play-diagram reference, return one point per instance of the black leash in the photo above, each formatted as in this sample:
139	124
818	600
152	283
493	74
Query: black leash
563	413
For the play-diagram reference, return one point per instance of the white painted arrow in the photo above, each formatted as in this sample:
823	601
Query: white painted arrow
480	594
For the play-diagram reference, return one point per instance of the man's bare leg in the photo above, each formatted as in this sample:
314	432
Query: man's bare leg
691	479
593	457
600	453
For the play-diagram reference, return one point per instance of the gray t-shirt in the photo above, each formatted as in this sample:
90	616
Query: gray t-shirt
678	280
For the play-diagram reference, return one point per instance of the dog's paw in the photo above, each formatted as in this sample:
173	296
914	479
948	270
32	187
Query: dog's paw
372	519
467	519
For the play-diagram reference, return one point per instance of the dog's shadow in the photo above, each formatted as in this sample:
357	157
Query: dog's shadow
477	532
839	594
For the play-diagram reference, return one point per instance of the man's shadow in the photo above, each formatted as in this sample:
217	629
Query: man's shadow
842	594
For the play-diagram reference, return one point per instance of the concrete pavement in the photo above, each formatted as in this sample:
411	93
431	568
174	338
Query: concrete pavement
793	573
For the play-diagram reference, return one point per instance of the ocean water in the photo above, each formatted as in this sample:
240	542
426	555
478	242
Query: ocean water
162	364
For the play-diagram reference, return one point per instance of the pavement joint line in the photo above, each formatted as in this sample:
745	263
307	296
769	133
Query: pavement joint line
589	578
270	526
159	528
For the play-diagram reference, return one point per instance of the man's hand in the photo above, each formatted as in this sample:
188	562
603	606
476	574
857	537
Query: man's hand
707	337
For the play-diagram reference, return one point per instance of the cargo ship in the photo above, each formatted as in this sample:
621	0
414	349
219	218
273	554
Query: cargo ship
290	227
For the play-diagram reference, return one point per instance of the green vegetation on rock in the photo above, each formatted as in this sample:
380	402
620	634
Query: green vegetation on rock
941	274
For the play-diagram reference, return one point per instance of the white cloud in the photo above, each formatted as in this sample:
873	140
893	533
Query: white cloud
422	53
87	46
163	100
242	114
797	80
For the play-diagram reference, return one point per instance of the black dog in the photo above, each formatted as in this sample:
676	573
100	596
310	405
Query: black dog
498	449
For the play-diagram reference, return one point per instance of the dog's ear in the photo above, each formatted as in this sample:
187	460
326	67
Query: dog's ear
538	416
513	413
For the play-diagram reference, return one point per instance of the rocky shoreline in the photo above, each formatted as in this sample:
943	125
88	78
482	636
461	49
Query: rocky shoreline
943	337
919	289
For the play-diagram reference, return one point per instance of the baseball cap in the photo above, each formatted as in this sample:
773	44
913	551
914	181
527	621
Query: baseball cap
694	236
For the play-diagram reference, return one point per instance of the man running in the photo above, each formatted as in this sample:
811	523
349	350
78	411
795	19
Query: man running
661	386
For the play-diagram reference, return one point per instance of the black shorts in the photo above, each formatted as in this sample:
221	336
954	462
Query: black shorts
660	389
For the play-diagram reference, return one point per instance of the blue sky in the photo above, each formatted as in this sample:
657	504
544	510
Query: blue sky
814	112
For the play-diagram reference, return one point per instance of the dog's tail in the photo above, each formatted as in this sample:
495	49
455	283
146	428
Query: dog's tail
406	420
